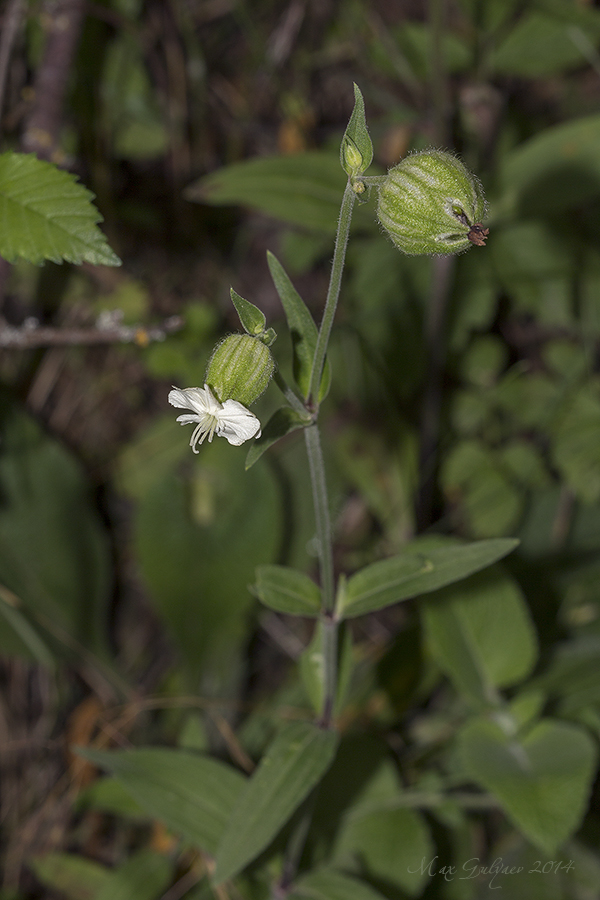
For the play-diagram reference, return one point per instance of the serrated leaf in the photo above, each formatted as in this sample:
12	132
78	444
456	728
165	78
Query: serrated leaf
252	318
292	766
288	591
282	422
356	151
46	214
193	795
303	190
421	568
302	329
542	781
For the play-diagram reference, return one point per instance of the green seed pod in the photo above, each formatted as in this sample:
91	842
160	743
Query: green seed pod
431	204
240	369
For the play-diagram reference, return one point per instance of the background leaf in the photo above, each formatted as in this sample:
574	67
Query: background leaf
480	633
193	795
287	590
54	553
329	884
301	190
542	781
292	766
45	214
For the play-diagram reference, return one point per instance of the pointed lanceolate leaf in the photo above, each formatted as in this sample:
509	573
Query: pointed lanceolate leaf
542	781
356	151
252	318
288	591
46	214
193	795
302	329
303	190
282	422
418	570
293	765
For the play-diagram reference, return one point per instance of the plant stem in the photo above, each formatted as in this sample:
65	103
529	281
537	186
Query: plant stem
322	521
329	647
335	282
316	464
294	401
329	626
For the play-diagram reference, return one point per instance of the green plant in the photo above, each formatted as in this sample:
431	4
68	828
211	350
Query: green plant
278	832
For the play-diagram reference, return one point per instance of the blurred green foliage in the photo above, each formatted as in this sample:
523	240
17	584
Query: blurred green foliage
468	720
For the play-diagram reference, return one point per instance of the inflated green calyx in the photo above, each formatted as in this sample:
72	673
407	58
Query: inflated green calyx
431	204
240	369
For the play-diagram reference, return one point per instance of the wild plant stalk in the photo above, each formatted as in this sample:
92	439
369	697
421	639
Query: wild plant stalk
317	466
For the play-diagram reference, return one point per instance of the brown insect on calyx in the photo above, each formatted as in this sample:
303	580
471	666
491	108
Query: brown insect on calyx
478	235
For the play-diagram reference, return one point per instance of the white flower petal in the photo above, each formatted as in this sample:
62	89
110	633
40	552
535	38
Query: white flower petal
230	420
237	424
195	399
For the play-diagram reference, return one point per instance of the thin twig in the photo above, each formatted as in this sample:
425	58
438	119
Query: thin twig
30	335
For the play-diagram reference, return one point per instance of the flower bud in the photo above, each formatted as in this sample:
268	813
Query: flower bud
240	369
431	204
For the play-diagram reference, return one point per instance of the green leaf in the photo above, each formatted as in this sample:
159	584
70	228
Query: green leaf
288	591
573	675
423	567
473	477
480	634
292	766
558	168
143	877
200	534
54	554
282	422
328	884
574	445
538	45
193	795
542	781
17	636
302	329
45	214
75	877
305	189
252	318
389	843
356	151
109	795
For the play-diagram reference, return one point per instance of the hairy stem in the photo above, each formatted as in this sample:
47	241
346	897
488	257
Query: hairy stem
322	521
335	282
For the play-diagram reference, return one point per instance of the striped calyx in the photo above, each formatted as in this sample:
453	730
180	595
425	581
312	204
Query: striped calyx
431	204
240	369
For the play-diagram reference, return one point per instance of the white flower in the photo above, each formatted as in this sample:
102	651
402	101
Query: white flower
230	420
